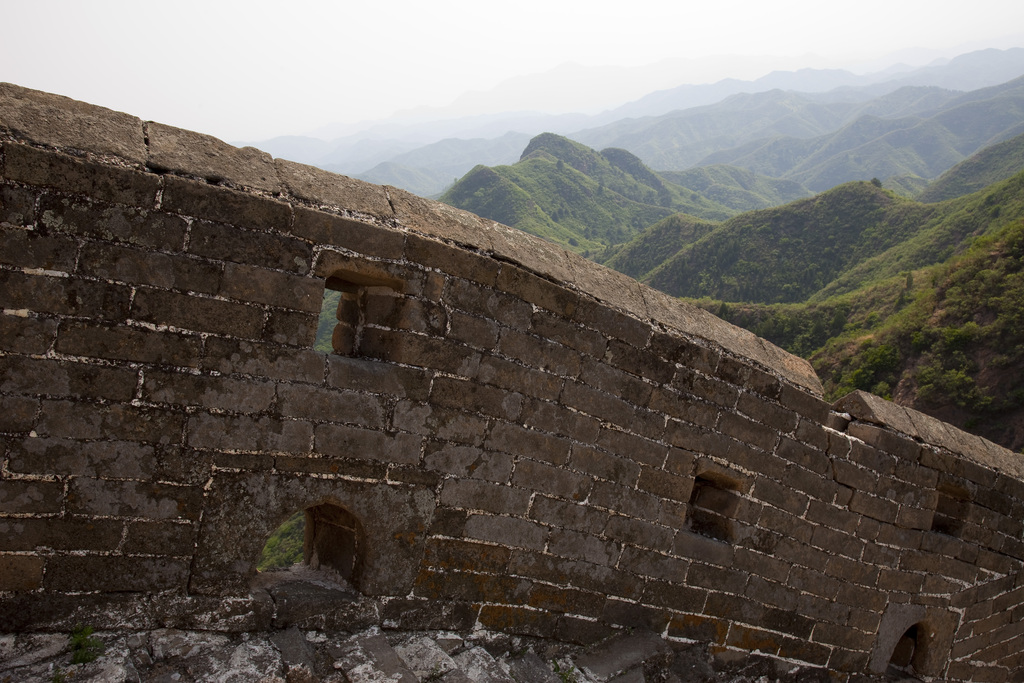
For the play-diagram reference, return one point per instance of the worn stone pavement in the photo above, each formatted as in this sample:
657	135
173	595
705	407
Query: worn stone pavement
294	655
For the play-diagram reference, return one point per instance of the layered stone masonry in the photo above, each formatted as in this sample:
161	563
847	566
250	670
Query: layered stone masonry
507	435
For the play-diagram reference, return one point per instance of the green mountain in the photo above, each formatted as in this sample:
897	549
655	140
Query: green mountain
737	188
933	321
746	122
648	250
988	166
880	147
568	193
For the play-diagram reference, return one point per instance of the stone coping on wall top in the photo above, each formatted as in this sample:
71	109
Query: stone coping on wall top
866	407
114	137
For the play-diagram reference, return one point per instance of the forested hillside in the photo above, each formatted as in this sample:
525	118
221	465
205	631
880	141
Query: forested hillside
571	194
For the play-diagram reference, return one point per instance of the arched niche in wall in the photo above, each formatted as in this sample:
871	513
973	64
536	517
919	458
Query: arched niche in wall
913	639
382	526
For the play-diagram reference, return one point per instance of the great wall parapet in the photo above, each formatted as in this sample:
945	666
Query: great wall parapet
508	435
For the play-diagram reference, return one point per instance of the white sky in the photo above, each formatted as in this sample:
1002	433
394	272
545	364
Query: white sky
250	70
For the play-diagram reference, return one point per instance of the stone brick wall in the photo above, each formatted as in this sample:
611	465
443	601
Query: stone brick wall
507	435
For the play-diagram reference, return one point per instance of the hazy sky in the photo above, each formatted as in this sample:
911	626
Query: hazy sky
250	70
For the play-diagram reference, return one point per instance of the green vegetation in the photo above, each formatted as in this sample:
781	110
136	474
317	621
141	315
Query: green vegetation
737	188
570	194
85	647
988	166
946	337
284	547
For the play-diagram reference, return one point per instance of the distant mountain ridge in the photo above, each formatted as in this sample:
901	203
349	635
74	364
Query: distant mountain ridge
359	154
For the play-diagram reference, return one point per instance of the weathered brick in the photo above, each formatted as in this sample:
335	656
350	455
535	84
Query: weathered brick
254	433
64	296
511	531
271	287
639	362
639	533
751	639
108	222
17	413
113	573
609	322
479	333
561	513
325	228
354	442
440	423
514	377
776	595
217	203
160	538
361	374
24	333
419	350
703	549
647	563
129	343
780	496
586	547
632	615
613	381
33	249
473	494
17	207
747	431
474	299
804	403
637	448
229	356
687	381
716	578
319	404
460	555
699	628
683	407
675	349
518	620
539	353
557	329
102	182
27	534
117	421
774	416
536	290
87	496
814	582
556	481
624	500
468	462
876	508
197	313
20	572
665	485
462	394
116	459
805	456
63	378
527	442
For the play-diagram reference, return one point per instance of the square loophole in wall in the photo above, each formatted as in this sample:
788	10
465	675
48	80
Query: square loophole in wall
712	508
950	509
343	310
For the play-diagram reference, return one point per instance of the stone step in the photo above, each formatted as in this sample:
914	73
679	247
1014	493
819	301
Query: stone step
622	657
369	658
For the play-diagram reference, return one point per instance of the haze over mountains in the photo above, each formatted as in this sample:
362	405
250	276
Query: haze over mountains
380	154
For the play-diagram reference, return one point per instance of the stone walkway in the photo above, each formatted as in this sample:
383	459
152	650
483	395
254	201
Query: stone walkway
374	656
